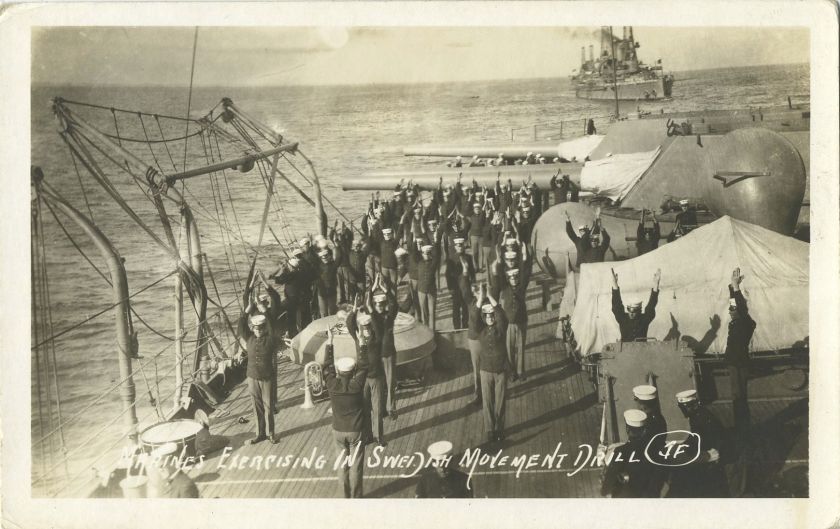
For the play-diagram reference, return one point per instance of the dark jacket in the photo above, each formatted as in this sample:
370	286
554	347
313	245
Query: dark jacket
261	350
638	327
629	474
585	252
427	272
700	479
740	332
369	355
384	327
493	357
642	244
346	395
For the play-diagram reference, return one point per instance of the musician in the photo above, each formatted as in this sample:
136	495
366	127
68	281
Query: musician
413	263
260	344
737	356
704	477
634	323
345	385
494	364
369	354
443	480
275	311
647	239
382	306
628	473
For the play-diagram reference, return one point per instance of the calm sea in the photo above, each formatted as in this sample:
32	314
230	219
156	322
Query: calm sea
346	131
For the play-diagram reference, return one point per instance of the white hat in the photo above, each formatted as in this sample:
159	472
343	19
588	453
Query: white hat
733	303
457	157
396	193
582	227
635	418
458	240
304	241
688	395
323	243
345	364
526	208
427	248
379	297
386	230
510	255
512	272
440	450
475	156
476	205
645	392
683	202
257	320
530	153
297	251
487	308
318	237
294	261
510	241
399	252
262	297
637	305
364	319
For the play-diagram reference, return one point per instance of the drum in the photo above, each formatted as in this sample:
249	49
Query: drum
182	432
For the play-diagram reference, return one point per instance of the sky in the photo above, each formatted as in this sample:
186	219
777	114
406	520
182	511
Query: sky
271	56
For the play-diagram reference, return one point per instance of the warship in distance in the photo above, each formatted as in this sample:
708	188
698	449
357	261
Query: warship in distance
617	73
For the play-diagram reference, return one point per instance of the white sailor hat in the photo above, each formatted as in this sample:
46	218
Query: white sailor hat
510	241
323	243
364	319
439	450
475	157
529	153
431	221
345	364
487	308
526	208
380	297
683	202
257	320
634	306
458	240
512	272
386	230
458	157
582	227
732	303
426	248
297	251
635	418
318	237
324	252
645	392
262	297
510	255
688	395
397	192
476	205
399	252
294	261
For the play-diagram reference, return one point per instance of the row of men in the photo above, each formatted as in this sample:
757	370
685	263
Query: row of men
502	160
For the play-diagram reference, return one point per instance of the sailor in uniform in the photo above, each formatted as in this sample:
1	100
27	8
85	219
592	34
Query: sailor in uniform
634	322
460	275
628	472
704	477
382	306
494	364
260	345
648	401
369	352
443	480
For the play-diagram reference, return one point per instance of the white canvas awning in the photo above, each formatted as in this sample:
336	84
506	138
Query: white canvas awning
613	177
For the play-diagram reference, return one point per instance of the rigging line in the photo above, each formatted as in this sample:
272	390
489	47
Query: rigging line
86	320
152	401
218	296
81	185
127	111
166	145
189	97
43	308
140	140
149	144
37	334
116	127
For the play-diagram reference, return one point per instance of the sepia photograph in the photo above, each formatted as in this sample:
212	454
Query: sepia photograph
382	259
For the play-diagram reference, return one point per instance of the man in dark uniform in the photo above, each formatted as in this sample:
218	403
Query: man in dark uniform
345	385
260	345
369	352
737	357
442	481
387	259
460	275
591	244
647	239
427	270
474	340
704	477
494	364
382	305
327	282
295	280
648	401
511	291
356	270
477	221
634	323
628	473
686	220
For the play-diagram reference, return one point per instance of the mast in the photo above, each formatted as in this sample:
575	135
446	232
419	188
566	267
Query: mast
119	281
615	72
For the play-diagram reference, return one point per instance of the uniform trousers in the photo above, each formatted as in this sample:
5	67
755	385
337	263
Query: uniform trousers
327	304
390	365
375	401
351	468
516	346
391	277
475	357
475	245
493	388
460	310
427	302
260	391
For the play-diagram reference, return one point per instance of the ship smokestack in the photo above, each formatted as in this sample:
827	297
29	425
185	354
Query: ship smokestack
591	53
624	32
583	54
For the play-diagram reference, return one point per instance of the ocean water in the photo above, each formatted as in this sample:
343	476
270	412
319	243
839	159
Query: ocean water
345	131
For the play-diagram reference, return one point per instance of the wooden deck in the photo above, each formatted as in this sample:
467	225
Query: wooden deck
557	403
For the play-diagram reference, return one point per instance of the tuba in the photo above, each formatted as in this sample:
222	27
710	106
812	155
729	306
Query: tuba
314	378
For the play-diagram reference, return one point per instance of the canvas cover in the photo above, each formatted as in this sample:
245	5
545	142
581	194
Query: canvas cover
694	294
579	148
613	177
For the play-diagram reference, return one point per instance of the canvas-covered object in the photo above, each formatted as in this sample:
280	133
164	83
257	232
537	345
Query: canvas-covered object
613	177
579	148
694	293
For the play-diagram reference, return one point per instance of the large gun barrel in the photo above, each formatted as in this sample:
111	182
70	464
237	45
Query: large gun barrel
484	150
484	176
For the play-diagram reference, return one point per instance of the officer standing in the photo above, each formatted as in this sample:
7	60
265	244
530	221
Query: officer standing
345	385
260	345
634	323
443	480
628	473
